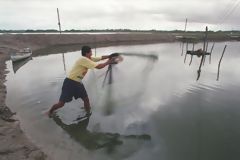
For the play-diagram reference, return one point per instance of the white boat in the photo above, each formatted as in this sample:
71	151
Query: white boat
21	54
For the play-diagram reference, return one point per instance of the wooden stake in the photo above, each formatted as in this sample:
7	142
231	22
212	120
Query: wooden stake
185	25
219	64
59	23
203	55
206	52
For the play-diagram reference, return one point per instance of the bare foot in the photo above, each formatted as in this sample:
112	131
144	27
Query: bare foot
48	114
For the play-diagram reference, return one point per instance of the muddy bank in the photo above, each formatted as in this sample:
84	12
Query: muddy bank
37	42
13	142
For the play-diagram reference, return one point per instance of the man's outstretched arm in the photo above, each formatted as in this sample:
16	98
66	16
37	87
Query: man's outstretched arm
110	56
102	65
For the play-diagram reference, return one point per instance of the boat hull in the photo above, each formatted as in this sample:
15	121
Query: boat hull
15	58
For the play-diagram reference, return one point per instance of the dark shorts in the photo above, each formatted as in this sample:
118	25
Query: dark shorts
72	89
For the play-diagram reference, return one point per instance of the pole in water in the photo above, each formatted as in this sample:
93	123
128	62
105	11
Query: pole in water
203	54
219	64
185	25
205	51
59	23
184	38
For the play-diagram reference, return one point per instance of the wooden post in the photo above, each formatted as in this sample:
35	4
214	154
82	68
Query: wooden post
219	64
185	25
184	37
206	52
203	55
206	49
205	39
59	23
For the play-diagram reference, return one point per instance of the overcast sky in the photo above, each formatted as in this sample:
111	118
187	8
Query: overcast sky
121	14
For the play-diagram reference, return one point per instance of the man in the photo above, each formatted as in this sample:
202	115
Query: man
73	86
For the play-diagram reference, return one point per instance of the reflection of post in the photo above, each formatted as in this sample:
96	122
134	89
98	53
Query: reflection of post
219	64
185	57
191	54
186	52
210	56
64	62
95	45
182	48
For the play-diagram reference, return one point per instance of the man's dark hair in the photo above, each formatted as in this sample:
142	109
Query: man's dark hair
85	50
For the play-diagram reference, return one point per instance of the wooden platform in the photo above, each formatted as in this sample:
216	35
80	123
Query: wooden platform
197	52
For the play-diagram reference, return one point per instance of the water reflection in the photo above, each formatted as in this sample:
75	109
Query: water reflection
94	140
18	64
202	124
183	118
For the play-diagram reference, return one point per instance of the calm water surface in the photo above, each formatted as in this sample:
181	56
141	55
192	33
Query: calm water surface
155	109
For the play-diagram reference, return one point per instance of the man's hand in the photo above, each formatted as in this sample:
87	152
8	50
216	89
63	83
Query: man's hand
112	61
114	55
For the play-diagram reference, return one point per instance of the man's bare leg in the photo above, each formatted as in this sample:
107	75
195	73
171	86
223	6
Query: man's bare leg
56	106
86	104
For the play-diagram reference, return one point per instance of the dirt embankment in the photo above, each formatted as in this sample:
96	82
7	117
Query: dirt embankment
14	145
10	42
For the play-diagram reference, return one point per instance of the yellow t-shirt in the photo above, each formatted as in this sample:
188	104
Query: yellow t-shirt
81	67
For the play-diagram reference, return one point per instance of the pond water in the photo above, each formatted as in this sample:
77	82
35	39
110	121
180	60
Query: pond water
154	109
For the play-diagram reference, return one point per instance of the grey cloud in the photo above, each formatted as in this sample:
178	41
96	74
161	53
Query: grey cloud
94	14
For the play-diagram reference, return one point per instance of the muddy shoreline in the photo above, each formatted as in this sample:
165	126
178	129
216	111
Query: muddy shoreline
13	142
